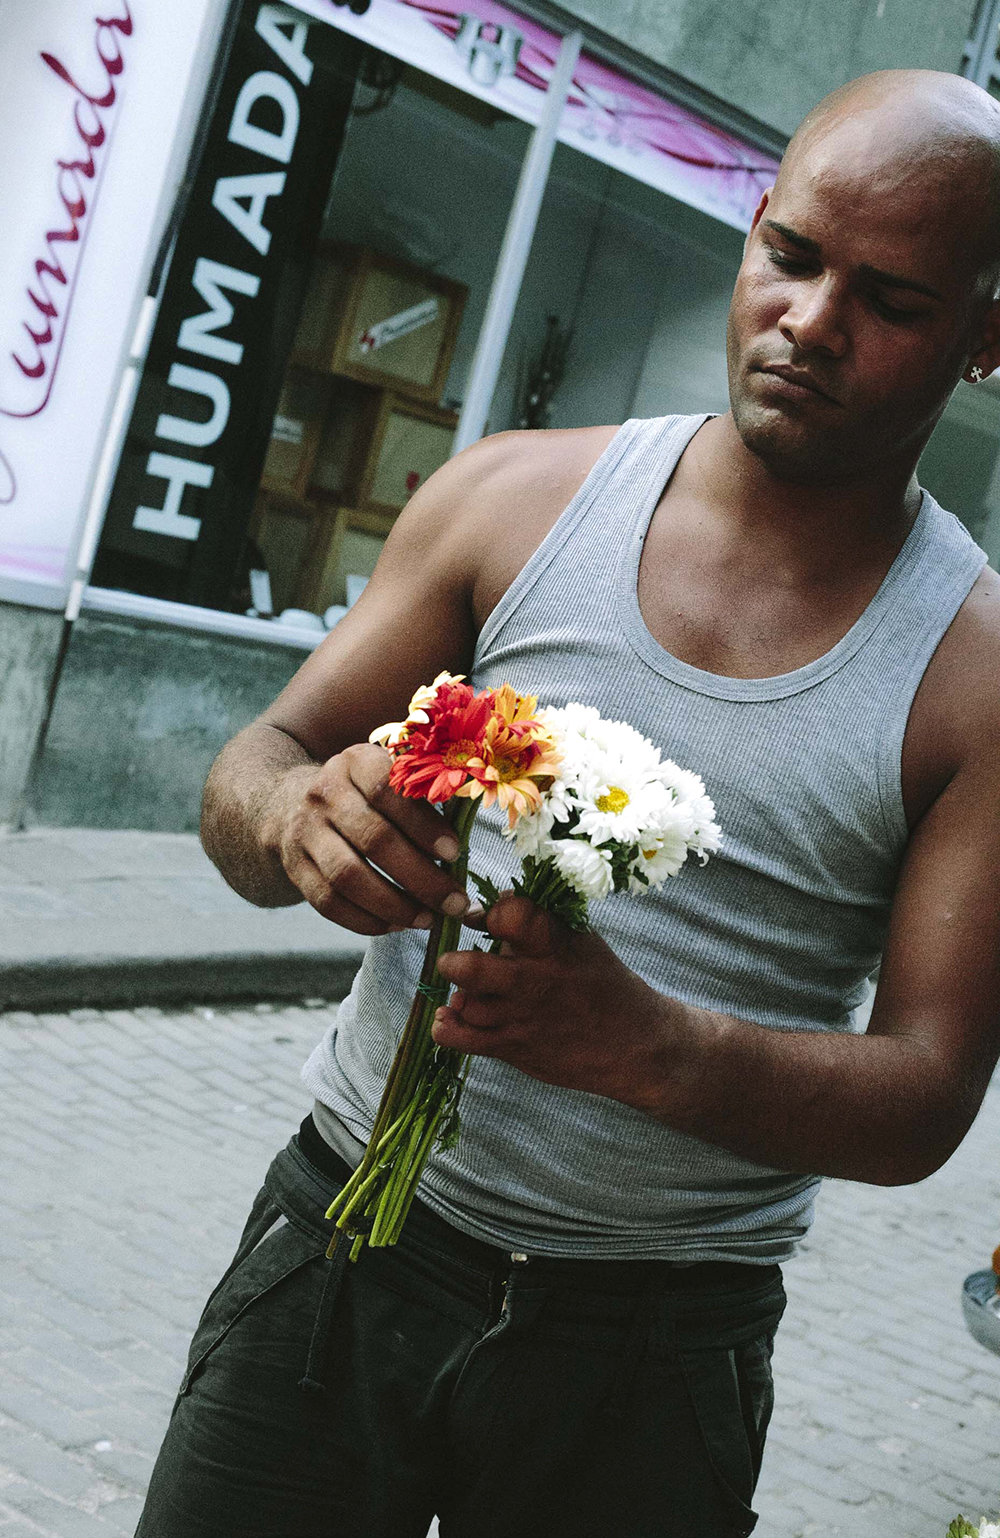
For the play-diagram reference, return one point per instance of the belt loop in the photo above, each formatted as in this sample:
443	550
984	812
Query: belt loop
312	1379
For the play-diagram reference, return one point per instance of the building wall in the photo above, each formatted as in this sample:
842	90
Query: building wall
141	712
961	467
29	642
774	59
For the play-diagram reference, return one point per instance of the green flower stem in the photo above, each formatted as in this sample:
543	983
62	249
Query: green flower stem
549	890
395	1196
414	1063
375	1167
395	1193
412	1030
414	1067
406	1177
420	1159
416	1044
384	1152
416	1091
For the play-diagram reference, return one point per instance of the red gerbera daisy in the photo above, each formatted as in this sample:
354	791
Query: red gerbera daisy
432	761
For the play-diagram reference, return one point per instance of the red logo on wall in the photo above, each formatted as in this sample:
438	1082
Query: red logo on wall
50	290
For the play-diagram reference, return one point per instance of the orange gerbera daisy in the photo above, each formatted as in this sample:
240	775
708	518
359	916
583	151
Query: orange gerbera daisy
518	762
516	709
457	743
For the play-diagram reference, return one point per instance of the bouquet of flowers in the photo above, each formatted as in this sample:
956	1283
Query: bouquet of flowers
960	1528
592	809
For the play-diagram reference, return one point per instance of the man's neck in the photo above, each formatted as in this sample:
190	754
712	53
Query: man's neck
818	529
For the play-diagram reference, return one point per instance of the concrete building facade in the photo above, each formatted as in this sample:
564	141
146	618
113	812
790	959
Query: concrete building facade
111	718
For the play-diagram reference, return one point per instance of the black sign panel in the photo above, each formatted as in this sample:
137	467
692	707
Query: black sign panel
199	432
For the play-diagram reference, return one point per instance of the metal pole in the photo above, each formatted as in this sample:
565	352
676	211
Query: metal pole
515	250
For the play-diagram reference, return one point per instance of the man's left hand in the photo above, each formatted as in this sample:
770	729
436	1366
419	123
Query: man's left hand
557	1005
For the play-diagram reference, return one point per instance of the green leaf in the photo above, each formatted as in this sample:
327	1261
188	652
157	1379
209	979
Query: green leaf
487	889
960	1528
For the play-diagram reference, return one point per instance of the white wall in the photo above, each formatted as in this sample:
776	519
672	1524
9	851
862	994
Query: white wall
685	365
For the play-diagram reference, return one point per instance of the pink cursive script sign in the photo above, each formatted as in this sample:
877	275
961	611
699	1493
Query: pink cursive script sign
36	352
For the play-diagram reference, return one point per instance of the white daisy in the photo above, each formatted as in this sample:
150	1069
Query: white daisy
664	848
588	870
689	788
623	805
612	789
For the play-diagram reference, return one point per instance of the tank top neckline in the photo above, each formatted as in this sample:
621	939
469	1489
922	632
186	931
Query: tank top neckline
677	434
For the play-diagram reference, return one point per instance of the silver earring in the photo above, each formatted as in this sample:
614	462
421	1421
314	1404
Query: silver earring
977	374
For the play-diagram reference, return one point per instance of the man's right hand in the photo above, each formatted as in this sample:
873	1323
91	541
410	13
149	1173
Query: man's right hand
297	804
337	828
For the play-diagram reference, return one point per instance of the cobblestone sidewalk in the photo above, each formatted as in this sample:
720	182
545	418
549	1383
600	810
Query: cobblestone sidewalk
131	1143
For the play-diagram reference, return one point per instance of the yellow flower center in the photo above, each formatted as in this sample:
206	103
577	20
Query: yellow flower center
459	753
515	763
615	801
508	769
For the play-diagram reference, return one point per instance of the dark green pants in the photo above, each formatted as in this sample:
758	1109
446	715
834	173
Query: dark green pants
508	1396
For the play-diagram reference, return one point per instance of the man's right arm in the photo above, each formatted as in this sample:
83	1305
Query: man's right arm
298	803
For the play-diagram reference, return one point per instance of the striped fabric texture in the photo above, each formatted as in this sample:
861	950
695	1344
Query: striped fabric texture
781	928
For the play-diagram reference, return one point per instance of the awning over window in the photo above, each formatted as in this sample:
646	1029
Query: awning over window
492	52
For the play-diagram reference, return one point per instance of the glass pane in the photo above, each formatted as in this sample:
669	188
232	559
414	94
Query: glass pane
412	448
400	282
373	335
428	182
640	286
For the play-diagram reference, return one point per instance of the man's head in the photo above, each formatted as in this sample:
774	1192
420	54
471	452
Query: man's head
871	271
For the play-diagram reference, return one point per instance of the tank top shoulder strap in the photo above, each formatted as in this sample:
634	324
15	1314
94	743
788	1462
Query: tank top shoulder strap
617	496
944	564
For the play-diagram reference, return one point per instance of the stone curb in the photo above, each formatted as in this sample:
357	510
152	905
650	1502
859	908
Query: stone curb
108	982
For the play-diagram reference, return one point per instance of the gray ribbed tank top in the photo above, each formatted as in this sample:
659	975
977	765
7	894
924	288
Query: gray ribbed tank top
782	927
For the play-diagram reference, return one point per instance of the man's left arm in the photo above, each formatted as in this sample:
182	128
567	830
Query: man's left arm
888	1107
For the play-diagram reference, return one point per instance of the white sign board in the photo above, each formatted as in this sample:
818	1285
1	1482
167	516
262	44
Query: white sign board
96	111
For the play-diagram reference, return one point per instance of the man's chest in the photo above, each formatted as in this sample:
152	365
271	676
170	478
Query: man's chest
732	609
730	604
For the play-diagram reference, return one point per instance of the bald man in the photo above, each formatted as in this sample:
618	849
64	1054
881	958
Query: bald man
574	1334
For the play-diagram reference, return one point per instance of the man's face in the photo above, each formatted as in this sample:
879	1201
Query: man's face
859	278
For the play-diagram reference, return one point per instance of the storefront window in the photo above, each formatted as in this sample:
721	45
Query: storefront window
401	277
628	290
318	331
367	322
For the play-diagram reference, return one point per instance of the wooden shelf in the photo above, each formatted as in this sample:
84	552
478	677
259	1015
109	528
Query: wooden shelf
354	438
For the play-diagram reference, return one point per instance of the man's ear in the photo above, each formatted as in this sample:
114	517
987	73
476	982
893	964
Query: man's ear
986	352
758	212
